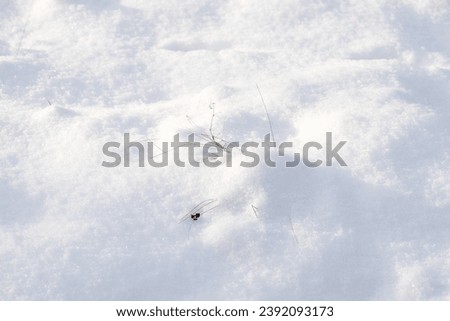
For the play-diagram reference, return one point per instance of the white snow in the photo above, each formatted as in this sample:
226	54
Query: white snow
76	74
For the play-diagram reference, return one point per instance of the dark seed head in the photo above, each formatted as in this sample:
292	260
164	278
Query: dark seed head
195	216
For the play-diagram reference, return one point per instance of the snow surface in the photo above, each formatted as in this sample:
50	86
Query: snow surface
75	74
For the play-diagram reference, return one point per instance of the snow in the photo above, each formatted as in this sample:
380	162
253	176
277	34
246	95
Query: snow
76	74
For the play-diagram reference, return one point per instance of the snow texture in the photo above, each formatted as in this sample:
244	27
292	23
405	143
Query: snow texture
75	74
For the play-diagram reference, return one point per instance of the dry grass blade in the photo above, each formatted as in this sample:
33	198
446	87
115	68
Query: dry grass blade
267	113
198	210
